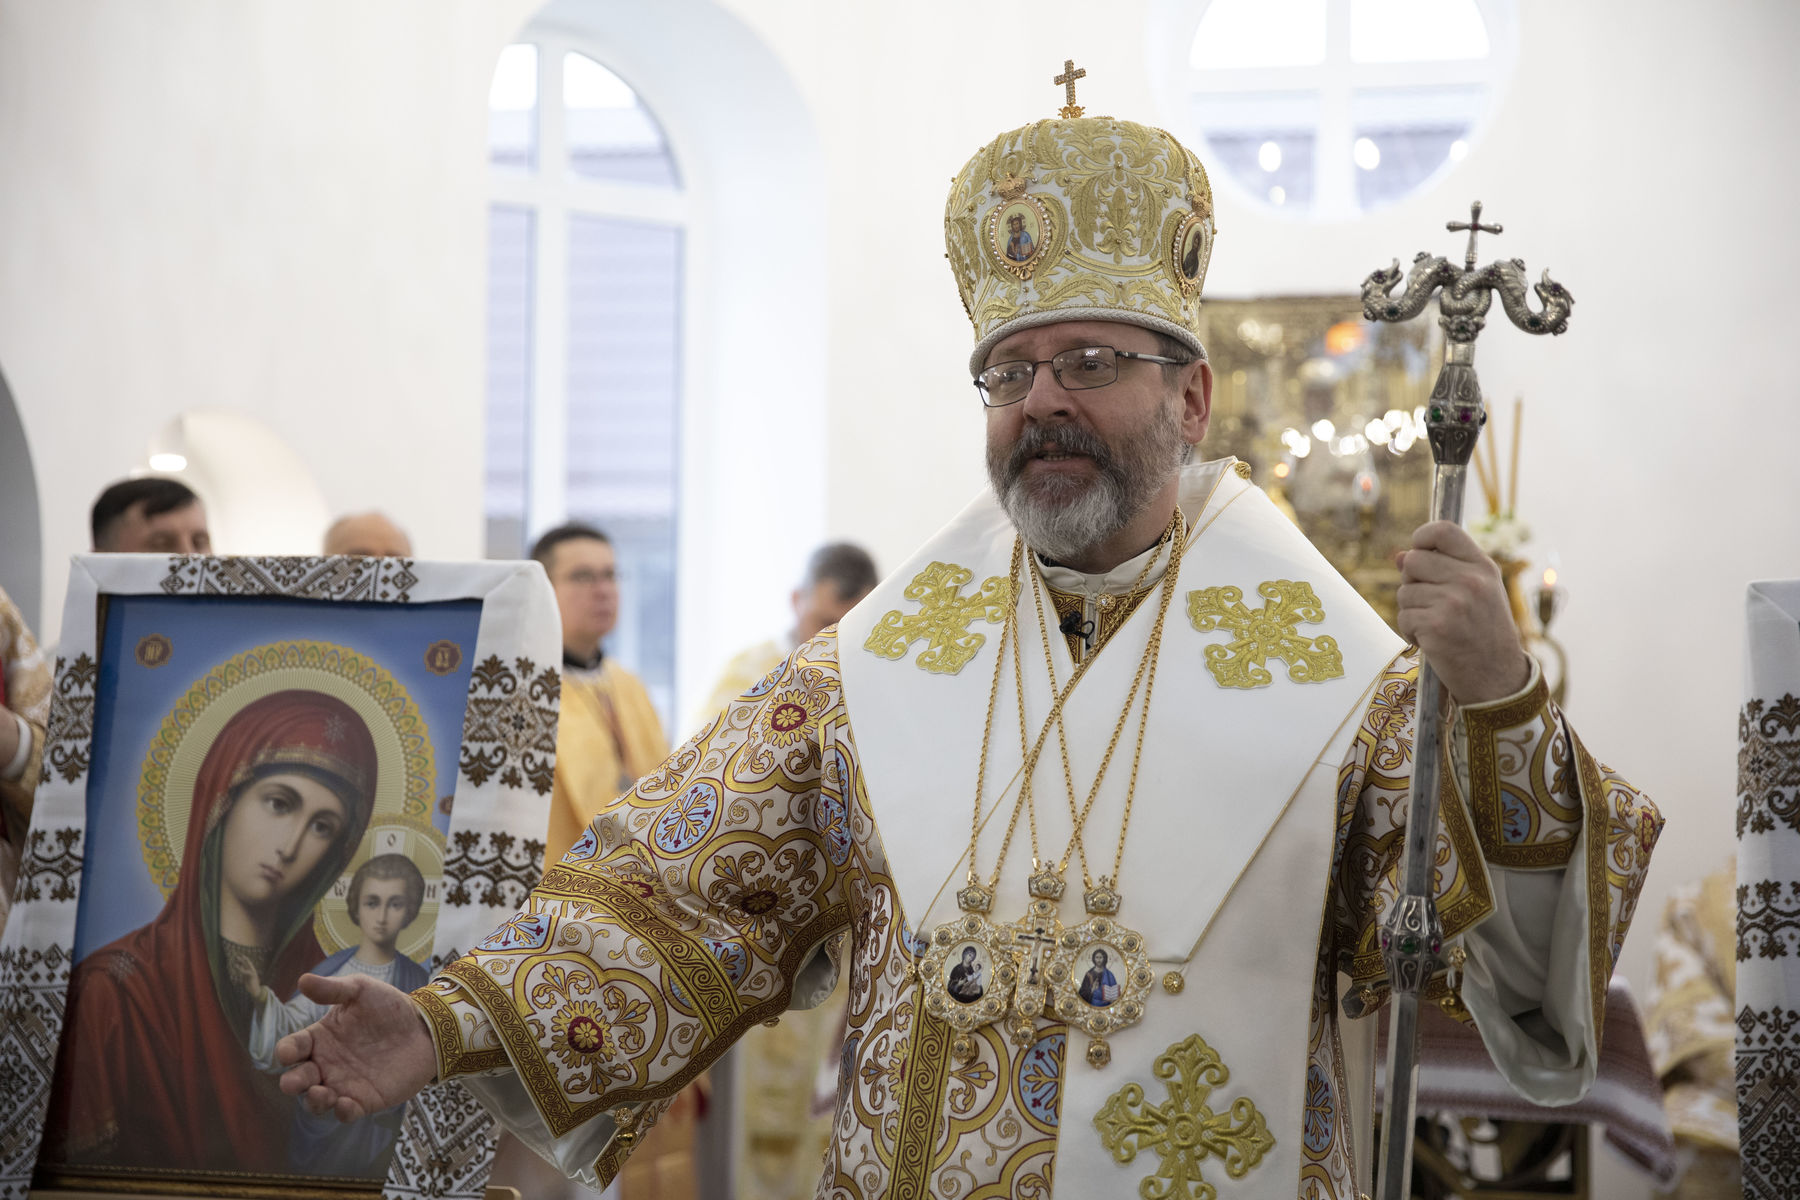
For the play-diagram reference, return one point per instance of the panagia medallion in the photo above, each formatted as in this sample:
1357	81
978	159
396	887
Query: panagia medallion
1101	977
968	974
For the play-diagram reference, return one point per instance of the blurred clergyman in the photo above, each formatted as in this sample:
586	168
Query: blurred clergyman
837	575
151	515
1690	1030
609	735
367	535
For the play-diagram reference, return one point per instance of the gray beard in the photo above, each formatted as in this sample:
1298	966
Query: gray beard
1062	519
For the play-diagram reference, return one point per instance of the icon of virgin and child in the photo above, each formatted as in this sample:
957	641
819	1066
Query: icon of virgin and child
167	1059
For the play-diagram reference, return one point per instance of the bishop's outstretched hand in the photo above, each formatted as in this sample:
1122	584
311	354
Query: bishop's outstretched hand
370	1052
1453	606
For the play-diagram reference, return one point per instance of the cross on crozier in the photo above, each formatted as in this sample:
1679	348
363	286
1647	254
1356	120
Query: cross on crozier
1474	226
1067	79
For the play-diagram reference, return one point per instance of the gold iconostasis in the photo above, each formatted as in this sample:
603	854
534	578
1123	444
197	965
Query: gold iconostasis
1328	411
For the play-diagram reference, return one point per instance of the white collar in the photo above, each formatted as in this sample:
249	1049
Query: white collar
1116	582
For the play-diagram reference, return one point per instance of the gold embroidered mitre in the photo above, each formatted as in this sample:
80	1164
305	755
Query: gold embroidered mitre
1084	219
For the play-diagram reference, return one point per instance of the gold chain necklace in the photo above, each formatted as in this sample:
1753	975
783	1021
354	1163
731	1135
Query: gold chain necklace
1174	531
1104	1000
971	970
978	897
970	965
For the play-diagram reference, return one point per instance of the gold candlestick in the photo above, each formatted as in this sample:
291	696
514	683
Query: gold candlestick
1549	598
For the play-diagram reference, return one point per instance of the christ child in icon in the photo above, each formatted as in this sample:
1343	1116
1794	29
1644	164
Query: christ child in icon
386	894
965	983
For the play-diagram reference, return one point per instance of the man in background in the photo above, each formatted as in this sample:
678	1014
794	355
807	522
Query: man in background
151	515
1692	1038
837	575
607	738
367	535
609	735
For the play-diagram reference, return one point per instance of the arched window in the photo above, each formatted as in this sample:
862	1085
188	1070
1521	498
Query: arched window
585	243
1330	108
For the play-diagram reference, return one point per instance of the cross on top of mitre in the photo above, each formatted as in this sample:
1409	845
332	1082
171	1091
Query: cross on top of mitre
1475	227
1071	73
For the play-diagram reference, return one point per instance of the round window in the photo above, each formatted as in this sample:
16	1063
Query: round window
1331	108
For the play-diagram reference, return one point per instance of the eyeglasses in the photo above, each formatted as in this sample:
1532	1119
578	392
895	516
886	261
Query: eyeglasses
584	578
1076	370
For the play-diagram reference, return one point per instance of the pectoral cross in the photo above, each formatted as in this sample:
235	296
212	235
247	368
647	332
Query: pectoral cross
1474	226
1070	74
1035	933
1040	938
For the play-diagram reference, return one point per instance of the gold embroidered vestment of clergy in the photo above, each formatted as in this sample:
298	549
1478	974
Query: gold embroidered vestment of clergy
708	898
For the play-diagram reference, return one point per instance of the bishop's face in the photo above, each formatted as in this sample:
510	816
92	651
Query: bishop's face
1089	475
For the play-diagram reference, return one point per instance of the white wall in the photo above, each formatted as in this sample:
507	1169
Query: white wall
264	206
21	532
279	206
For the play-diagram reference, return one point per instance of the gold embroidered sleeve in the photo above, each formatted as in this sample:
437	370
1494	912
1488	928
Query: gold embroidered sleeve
1541	801
1505	754
1372	790
1512	757
1622	826
682	916
461	1033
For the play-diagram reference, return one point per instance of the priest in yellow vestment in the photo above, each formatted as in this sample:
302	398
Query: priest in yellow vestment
608	735
838	574
1690	1028
1097	801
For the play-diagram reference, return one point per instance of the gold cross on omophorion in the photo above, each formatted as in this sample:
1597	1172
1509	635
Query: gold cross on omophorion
1185	1131
1070	74
943	618
1474	226
1264	633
